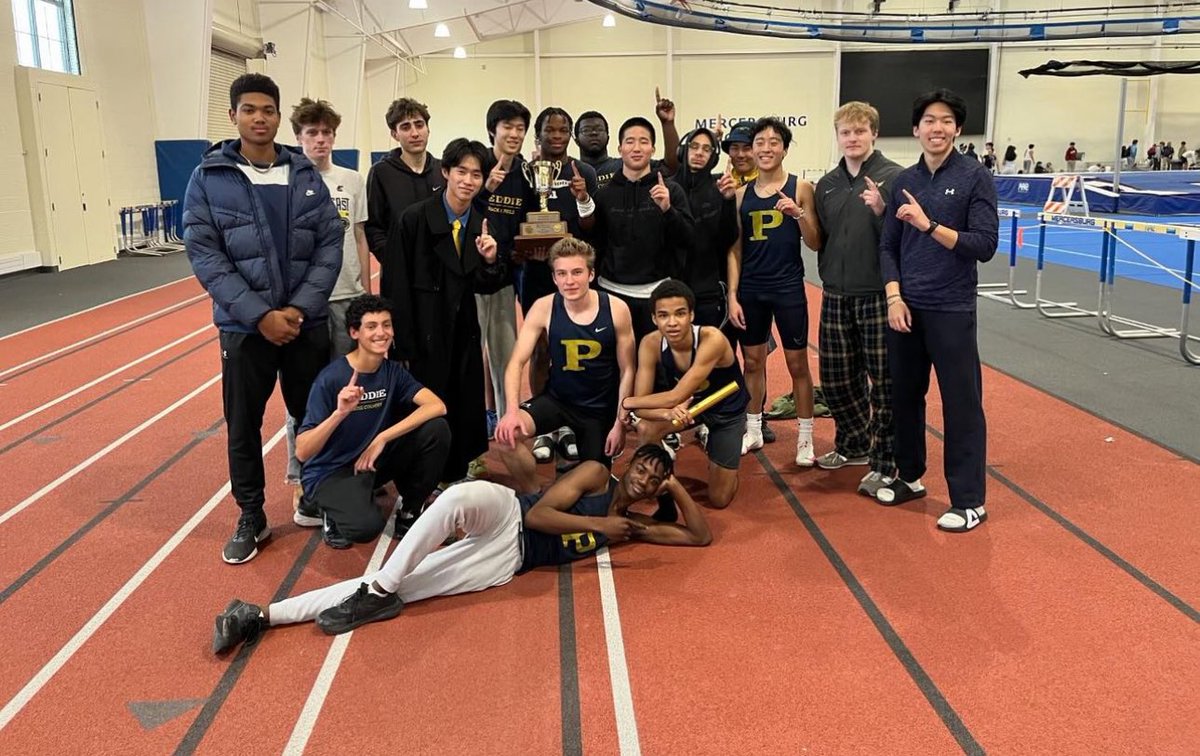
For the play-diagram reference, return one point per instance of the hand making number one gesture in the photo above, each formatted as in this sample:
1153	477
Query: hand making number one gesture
872	197
661	194
486	244
911	213
349	397
788	206
578	185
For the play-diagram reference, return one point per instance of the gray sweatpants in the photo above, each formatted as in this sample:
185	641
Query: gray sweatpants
488	556
498	328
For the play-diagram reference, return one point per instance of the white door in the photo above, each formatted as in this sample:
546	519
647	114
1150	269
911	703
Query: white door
69	239
98	222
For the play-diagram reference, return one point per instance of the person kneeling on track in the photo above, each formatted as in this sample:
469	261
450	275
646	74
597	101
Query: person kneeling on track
368	422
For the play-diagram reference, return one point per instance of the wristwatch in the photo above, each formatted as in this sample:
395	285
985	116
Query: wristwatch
932	227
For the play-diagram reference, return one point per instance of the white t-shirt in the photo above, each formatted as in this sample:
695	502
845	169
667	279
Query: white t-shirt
349	192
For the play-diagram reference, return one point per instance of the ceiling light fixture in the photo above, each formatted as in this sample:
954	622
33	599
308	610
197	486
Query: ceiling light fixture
418	4
609	20
441	30
459	52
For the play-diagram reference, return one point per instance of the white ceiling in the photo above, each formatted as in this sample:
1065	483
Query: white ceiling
410	32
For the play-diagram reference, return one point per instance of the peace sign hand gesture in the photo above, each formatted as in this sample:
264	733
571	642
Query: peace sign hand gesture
498	173
486	244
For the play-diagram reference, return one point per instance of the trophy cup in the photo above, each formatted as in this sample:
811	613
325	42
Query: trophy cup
541	228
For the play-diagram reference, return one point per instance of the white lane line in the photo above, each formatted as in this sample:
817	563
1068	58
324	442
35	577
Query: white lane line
85	464
102	334
302	731
105	377
95	307
52	667
618	668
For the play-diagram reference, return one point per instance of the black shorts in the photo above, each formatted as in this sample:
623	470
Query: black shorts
591	428
724	445
789	311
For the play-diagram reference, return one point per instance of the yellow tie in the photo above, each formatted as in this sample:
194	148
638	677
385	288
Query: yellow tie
455	227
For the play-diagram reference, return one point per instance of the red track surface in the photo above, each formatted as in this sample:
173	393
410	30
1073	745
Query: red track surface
863	629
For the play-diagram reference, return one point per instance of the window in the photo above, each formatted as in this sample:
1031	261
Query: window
46	34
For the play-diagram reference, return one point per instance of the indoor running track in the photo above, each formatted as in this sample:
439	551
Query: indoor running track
817	622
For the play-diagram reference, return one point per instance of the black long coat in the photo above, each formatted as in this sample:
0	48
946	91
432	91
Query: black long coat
432	289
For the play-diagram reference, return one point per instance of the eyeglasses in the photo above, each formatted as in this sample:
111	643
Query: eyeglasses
593	130
698	147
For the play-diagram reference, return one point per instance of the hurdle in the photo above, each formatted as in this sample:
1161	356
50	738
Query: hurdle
1007	293
1044	305
1105	317
157	235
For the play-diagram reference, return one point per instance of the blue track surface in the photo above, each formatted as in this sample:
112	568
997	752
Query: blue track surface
1080	248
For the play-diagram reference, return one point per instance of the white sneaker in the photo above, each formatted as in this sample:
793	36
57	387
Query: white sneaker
751	441
806	455
961	520
702	436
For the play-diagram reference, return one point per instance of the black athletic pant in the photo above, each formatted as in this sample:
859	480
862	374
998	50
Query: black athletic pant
414	462
946	342
249	366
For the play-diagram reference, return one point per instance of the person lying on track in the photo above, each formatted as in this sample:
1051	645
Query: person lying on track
506	534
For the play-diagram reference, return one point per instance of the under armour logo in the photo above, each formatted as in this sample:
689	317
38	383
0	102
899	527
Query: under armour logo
309	193
949	191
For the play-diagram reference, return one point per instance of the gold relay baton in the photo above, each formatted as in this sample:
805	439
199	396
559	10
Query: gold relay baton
727	390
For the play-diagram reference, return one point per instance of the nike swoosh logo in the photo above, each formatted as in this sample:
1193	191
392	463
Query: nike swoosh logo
827	191
598	330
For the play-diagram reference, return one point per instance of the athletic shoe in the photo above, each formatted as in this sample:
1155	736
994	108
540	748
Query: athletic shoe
806	455
667	510
568	446
404	521
673	441
767	433
899	491
543	448
957	520
820	407
835	460
333	537
251	530
239	623
702	436
492	422
477	469
783	408
358	609
307	514
751	441
872	482
297	495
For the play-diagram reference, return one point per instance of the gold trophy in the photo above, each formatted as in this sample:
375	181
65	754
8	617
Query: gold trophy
541	228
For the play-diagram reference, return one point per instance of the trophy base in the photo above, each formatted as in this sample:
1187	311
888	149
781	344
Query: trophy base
538	233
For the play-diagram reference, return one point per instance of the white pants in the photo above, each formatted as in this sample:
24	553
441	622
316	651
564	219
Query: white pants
498	329
488	556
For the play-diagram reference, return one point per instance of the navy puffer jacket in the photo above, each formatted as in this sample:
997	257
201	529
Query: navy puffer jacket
228	240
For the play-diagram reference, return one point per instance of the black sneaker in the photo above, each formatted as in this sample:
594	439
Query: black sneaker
404	521
307	514
333	537
358	609
667	511
239	623
767	433
251	530
899	491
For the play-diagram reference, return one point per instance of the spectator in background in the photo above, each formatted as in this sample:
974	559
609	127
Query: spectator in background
1009	166
989	157
1071	156
1029	159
